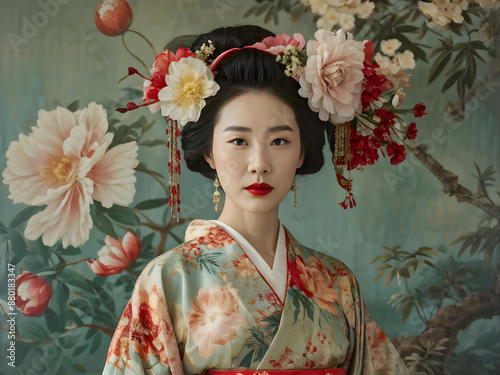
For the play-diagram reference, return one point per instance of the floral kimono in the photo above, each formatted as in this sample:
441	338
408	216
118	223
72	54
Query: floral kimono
204	305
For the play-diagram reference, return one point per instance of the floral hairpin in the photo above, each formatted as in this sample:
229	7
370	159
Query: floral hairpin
346	88
336	75
178	87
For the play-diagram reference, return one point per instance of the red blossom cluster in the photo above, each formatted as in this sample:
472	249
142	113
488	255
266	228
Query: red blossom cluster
373	84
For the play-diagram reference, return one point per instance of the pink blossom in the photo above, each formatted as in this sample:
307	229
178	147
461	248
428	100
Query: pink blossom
116	255
333	76
277	44
33	293
65	165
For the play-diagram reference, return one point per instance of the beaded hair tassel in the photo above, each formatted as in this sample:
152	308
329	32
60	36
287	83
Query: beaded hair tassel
342	157
174	168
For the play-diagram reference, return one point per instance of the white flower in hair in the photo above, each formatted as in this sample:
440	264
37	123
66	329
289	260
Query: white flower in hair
333	76
189	81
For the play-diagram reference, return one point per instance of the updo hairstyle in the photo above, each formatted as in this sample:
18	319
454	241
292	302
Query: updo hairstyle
250	70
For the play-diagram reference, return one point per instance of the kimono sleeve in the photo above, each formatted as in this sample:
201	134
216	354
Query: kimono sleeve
373	353
144	341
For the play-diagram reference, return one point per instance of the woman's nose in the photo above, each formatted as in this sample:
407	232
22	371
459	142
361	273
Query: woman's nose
259	162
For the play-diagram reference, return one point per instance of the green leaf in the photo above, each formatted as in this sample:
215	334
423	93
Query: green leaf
390	276
463	237
68	276
24	215
73	106
151	203
101	222
406	310
262	9
378	277
451	81
79	367
250	11
70	314
153	142
470	70
17	247
79	349
60	295
54	322
380	257
438	66
95	343
123	215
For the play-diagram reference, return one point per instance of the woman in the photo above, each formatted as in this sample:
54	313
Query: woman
241	293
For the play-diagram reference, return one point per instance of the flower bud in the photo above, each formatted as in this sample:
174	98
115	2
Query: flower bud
33	294
113	17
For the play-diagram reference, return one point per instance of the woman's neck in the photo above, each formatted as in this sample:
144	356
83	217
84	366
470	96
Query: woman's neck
259	229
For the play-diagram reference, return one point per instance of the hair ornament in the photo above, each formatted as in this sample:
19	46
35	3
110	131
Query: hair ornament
337	76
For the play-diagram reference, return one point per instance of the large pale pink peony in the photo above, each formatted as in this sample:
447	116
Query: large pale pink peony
215	318
33	293
333	76
116	255
65	165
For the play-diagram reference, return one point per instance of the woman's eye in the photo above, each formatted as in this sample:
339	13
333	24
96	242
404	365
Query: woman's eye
279	142
239	142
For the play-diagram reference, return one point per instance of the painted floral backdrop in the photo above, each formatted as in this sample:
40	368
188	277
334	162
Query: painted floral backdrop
85	189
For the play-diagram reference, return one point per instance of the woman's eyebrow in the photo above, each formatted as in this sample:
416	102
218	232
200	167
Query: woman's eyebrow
237	128
245	129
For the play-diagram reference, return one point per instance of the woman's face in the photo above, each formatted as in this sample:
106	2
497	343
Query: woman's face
256	141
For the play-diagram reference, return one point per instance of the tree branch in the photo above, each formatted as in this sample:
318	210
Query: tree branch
450	182
450	320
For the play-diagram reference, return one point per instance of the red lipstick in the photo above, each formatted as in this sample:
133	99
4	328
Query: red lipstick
259	189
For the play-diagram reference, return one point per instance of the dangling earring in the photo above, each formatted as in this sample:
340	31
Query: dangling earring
216	193
294	189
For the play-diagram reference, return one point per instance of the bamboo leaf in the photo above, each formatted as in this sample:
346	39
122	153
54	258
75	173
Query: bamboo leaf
390	276
438	66
451	81
463	237
380	257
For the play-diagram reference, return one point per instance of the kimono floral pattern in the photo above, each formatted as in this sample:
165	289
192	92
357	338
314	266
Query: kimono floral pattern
203	305
214	319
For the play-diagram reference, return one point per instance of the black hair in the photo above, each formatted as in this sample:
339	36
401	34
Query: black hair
245	71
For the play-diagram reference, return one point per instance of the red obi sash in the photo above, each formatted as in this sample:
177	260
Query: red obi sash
335	371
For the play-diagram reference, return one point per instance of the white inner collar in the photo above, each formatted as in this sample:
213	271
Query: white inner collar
275	276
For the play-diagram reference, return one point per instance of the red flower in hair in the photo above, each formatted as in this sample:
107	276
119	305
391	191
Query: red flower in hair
382	132
386	117
396	152
419	110
374	84
412	131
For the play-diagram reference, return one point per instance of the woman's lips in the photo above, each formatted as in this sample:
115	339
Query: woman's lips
259	189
